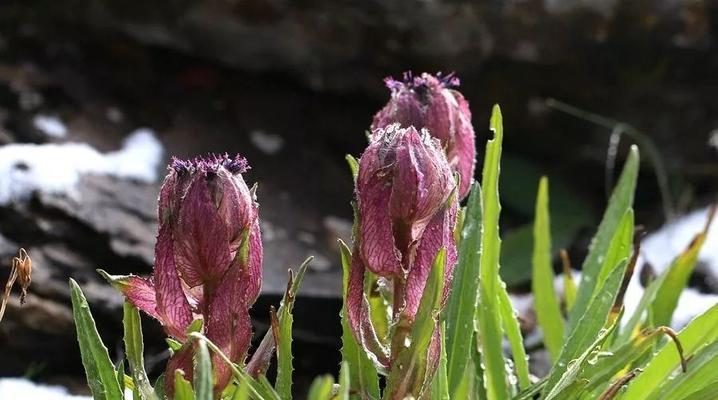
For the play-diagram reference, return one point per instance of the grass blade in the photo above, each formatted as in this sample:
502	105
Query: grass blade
600	305
321	388
703	371
440	386
703	329
488	311
677	275
548	310
100	372
362	374
516	341
134	349
203	373
620	202
461	305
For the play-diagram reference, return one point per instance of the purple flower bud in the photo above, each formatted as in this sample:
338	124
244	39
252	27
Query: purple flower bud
406	205
431	102
208	260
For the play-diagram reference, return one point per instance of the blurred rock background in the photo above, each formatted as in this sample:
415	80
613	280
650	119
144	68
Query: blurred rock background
292	85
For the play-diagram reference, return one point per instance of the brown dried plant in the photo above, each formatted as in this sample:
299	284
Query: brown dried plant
21	271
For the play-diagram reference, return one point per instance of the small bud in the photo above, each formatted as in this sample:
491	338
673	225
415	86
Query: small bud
432	102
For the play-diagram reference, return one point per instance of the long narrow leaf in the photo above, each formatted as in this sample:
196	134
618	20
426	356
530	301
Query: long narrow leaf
548	310
600	305
620	202
513	333
703	329
677	275
202	373
488	311
461	305
99	369
440	387
134	349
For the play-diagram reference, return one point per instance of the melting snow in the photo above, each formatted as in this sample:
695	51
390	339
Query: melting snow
56	168
20	388
50	125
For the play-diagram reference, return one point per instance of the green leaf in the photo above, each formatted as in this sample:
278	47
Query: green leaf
183	389
203	373
600	305
567	380
547	307
513	333
703	329
461	305
241	392
283	383
344	382
353	165
321	388
631	328
120	374
160	387
408	376
440	385
134	349
620	202
666	298
488	311
362	374
703	370
100	372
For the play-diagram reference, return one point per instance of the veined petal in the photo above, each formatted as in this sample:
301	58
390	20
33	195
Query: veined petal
234	204
463	151
201	244
358	313
138	291
373	190
173	308
438	234
228	324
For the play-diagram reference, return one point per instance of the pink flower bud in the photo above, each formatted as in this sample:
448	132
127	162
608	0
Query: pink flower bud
208	260
431	102
407	206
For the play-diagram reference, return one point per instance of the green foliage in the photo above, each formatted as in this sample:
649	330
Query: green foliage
489	311
548	311
594	358
101	374
461	306
134	349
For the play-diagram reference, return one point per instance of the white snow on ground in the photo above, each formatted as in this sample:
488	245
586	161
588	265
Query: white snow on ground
56	168
24	389
50	125
20	388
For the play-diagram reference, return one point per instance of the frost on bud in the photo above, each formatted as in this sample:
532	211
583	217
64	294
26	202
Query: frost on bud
208	260
432	102
406	206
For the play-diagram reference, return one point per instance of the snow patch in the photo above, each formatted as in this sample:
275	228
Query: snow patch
19	388
50	125
56	168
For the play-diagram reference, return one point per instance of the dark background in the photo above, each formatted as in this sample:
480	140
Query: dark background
204	75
